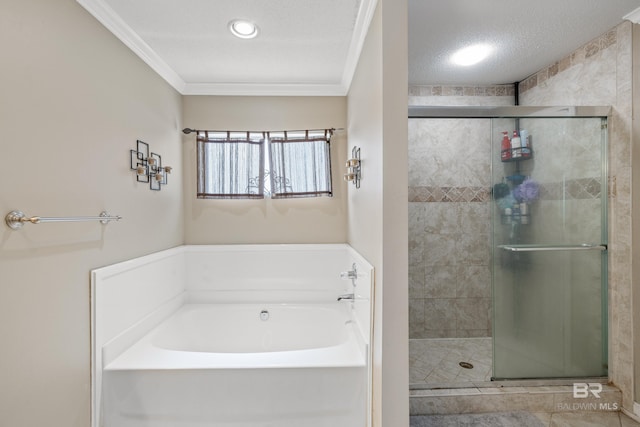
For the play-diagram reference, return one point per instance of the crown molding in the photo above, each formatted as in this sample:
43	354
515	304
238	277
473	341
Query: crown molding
112	21
361	28
265	89
633	16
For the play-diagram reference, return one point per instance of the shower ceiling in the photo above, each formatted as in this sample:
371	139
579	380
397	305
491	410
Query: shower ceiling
311	47
526	35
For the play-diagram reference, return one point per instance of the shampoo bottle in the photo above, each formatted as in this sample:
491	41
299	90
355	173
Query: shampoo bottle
516	147
505	147
524	141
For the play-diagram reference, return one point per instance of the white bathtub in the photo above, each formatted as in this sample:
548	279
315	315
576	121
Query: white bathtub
207	353
233	336
303	366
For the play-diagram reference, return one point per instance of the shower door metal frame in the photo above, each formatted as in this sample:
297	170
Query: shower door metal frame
504	112
519	111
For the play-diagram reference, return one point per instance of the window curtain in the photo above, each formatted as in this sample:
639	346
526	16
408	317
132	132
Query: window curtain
230	165
300	164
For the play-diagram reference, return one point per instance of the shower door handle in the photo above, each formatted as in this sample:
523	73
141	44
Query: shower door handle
540	248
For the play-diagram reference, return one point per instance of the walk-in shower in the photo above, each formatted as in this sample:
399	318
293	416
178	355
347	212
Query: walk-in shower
508	244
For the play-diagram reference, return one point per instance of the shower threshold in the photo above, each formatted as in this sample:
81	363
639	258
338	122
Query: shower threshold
529	396
538	382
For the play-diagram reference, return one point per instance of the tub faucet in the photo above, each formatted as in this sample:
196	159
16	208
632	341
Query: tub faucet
350	275
346	296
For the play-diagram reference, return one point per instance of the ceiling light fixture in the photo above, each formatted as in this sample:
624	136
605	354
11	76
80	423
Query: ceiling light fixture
471	55
243	29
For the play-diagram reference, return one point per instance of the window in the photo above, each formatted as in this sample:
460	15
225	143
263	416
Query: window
232	165
300	164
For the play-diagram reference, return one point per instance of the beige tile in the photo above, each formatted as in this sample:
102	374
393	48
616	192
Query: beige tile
446	354
416	282
440	281
473	333
474	217
416	252
626	421
472	313
438	376
441	218
472	249
544	417
416	330
416	310
502	390
439	313
438	333
585	419
440	249
473	281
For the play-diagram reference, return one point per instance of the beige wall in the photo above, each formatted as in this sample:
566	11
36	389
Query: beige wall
74	101
365	203
395	245
377	109
306	220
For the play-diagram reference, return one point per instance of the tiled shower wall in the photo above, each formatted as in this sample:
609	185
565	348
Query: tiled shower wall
600	73
449	221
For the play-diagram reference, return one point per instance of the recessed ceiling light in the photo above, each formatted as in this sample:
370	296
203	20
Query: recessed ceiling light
243	29
471	55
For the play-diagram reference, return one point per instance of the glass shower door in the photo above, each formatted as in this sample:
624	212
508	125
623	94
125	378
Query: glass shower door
549	248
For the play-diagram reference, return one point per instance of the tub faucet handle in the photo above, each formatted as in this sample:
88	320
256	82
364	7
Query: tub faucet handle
351	274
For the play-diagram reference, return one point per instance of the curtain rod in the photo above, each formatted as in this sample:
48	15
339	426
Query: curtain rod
187	131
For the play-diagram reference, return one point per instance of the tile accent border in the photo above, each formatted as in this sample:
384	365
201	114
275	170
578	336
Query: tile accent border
573	189
444	90
449	194
584	52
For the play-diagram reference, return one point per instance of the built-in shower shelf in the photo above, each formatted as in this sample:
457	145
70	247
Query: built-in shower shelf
516	154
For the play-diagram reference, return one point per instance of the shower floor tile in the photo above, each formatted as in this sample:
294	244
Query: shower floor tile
436	361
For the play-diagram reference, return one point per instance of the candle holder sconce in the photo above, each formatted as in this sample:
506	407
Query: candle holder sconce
148	166
354	167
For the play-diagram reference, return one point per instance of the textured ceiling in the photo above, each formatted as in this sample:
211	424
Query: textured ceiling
311	47
527	35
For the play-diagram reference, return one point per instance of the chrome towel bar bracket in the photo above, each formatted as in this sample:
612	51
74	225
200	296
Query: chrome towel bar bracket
16	219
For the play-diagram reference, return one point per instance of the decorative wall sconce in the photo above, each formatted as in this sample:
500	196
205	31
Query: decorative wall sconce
148	166
354	167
